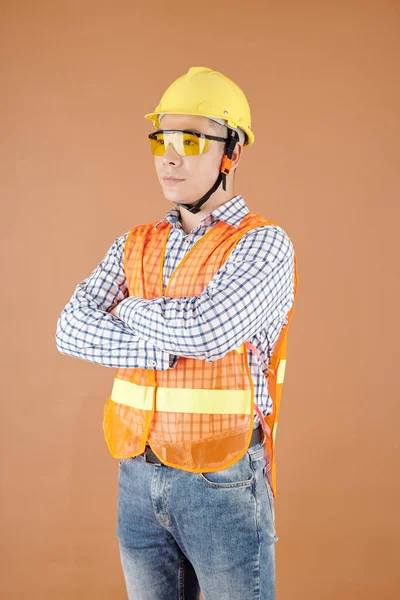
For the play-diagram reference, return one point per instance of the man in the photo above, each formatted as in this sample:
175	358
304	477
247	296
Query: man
193	311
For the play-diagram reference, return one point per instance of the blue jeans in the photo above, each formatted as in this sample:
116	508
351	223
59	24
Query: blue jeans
182	532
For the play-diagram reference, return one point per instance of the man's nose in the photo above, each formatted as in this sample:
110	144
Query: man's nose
171	156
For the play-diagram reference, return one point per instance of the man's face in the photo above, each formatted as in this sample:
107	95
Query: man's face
187	178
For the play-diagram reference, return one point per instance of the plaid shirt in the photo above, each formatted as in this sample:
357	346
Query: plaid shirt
247	300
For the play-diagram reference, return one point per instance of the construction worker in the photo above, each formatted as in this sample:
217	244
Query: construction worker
193	311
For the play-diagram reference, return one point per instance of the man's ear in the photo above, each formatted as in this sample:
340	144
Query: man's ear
237	153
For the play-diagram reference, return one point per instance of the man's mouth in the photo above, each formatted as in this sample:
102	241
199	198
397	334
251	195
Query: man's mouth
172	180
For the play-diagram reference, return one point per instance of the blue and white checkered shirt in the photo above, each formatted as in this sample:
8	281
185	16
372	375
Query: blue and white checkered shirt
247	300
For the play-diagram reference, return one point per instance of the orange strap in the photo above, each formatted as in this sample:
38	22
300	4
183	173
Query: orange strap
226	165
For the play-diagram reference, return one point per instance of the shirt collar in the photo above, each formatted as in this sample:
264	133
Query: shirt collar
232	212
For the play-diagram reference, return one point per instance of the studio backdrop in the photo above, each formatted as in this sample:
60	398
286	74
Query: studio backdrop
322	80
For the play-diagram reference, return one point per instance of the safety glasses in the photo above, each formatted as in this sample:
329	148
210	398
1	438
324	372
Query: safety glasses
185	143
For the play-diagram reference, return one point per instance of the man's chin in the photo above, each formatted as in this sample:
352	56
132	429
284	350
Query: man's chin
176	197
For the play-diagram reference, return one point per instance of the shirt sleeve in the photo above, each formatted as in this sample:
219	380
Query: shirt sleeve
86	329
253	288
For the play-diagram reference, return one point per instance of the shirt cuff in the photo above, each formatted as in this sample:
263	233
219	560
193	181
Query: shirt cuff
151	357
156	358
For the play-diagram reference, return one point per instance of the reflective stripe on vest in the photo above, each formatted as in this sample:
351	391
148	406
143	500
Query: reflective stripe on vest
178	400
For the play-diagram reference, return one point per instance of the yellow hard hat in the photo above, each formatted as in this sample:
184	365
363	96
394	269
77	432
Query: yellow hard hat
207	93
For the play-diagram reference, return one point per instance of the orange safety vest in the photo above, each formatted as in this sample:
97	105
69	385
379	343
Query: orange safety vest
199	415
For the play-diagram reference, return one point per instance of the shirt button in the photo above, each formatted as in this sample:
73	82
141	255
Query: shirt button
154	362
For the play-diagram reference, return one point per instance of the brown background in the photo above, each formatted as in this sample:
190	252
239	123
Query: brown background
322	80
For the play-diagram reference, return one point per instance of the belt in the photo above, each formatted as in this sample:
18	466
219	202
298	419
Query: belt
150	457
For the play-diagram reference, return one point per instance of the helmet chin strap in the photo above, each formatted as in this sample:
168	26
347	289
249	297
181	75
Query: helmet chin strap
231	142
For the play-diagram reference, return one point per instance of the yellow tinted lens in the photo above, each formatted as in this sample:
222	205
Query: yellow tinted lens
157	145
185	144
193	145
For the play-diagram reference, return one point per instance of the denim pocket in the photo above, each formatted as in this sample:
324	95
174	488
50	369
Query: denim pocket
240	474
269	492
